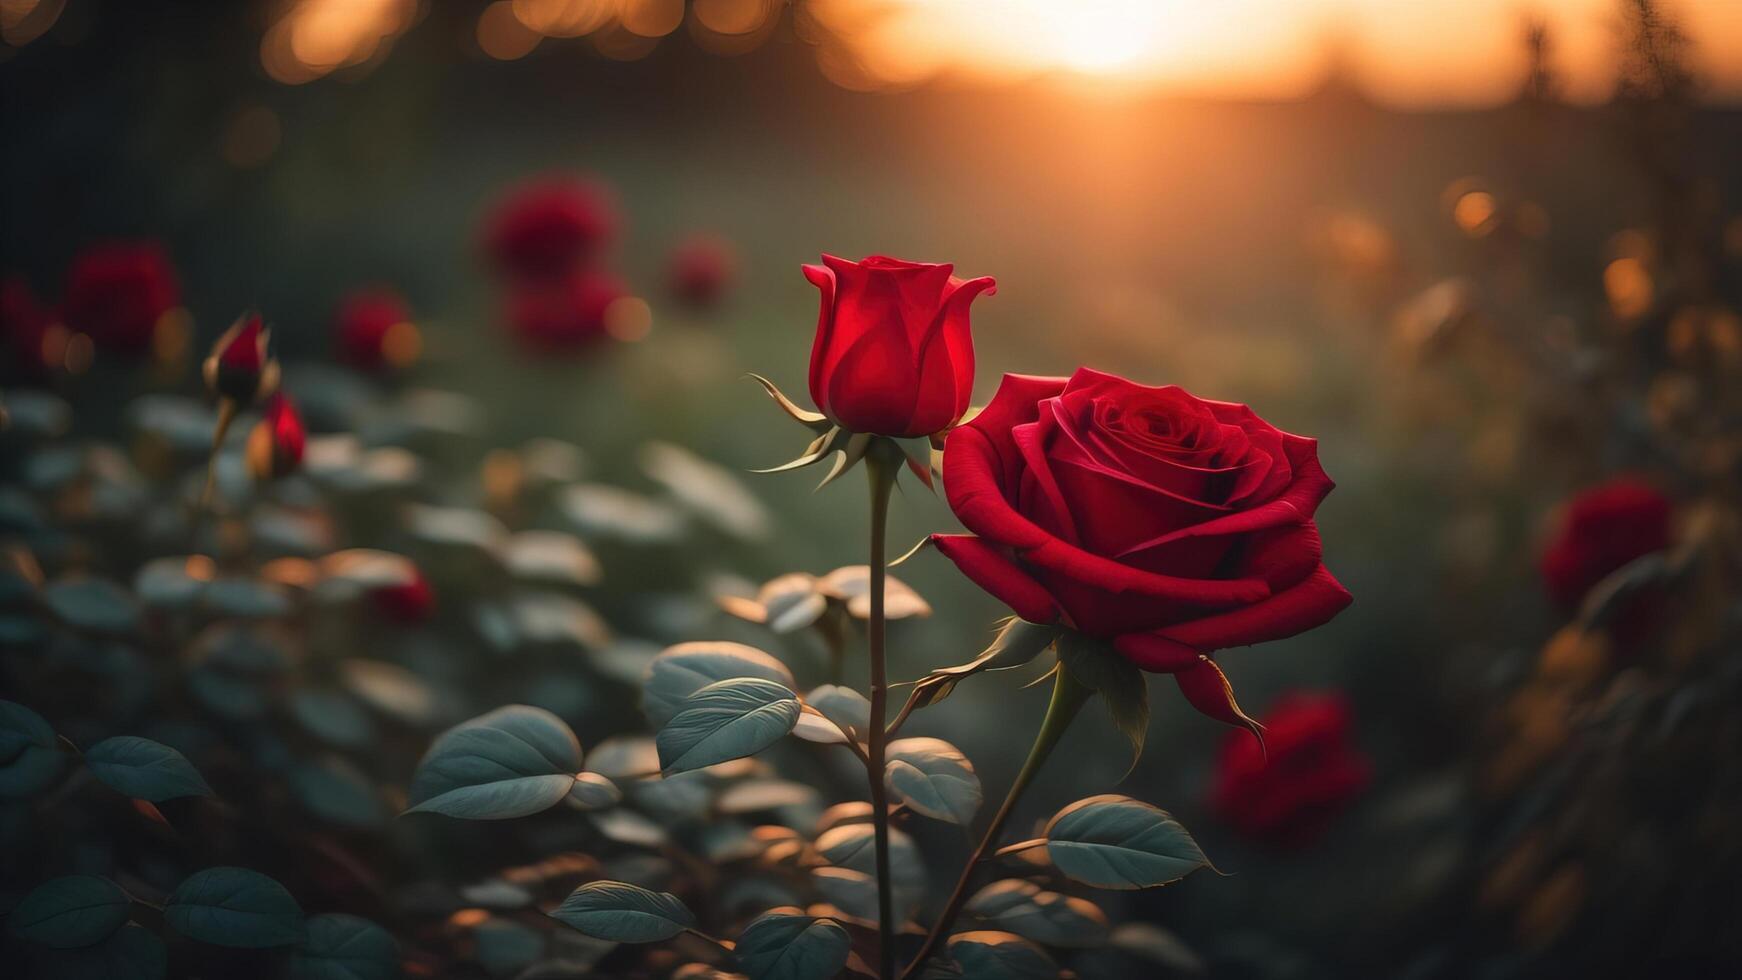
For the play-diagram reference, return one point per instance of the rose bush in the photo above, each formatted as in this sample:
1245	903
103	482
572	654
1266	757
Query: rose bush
1166	524
893	353
1312	772
1600	530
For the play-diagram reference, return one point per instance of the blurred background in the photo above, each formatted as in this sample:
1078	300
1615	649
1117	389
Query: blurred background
1488	253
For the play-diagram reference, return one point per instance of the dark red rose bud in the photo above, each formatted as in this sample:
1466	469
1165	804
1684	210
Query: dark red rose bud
1167	524
700	270
275	444
27	332
407	603
119	294
374	331
239	367
1312	772
1599	531
567	316
548	227
893	355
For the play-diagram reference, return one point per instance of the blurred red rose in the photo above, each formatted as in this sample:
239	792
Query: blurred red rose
240	367
893	353
565	316
1312	772
548	227
700	270
408	602
1599	531
275	445
374	331
1169	525
118	293
24	327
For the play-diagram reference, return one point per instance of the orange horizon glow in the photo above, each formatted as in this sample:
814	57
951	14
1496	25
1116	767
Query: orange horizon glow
1415	52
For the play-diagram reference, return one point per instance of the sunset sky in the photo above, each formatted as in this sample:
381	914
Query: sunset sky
1410	52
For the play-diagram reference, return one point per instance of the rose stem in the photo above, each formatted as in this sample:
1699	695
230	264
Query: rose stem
882	476
1068	697
226	415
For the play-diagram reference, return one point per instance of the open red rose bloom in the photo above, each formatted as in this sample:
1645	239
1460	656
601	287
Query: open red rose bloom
1169	525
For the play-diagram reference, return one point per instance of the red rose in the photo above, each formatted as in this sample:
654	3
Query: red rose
1311	773
408	603
566	316
374	331
700	270
118	293
276	443
1168	525
893	355
1598	531
24	326
240	367
548	227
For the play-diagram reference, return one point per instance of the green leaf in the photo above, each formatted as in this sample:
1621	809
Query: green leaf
624	913
853	846
234	907
933	778
145	770
853	892
333	717
77	910
344	947
1114	841
512	762
335	790
1121	685
592	791
29	758
132	953
782	945
506	947
1017	642
92	604
992	955
726	720
844	706
1046	917
686	668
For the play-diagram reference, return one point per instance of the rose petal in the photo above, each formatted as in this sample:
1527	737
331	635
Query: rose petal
992	570
1155	653
1208	690
1296	506
974	494
946	359
1313	602
822	277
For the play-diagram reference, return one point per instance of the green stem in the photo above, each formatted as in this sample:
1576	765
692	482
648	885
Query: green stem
1068	697
882	476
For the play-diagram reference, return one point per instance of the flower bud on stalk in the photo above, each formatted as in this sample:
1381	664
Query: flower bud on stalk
239	371
275	444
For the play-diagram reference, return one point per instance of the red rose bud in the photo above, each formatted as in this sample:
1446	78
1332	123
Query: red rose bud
566	316
1312	772
1599	531
548	227
1170	525
239	367
275	444
119	295
700	270
375	332
892	355
31	342
408	603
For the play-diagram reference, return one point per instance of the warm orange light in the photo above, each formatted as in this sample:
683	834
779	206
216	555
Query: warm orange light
401	344
629	318
1474	213
502	35
316	37
1628	284
1419	51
